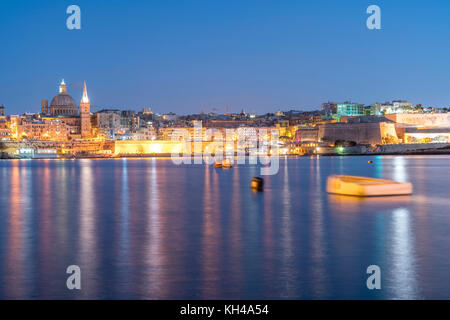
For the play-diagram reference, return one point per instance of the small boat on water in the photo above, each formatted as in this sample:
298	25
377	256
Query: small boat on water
366	187
226	164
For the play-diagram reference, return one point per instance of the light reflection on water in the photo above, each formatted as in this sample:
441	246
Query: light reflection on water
145	228
400	172
404	284
87	255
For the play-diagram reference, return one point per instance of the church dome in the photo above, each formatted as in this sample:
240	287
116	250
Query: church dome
63	104
63	100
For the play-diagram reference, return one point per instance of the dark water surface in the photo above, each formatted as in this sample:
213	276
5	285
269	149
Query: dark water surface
148	229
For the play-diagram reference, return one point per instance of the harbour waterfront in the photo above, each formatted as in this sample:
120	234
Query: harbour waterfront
150	229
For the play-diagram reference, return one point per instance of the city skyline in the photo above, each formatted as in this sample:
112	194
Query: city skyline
214	110
184	58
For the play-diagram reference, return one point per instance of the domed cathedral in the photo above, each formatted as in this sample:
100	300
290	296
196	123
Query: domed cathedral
64	109
63	104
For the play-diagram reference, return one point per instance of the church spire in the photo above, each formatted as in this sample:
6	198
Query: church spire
85	98
85	115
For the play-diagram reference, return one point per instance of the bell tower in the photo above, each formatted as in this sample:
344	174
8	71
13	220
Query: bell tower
85	114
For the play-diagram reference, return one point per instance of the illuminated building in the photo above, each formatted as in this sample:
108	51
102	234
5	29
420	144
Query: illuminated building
108	122
278	113
286	130
44	129
307	134
349	109
147	111
397	106
422	128
191	133
13	126
145	133
5	131
400	106
129	120
427	135
372	110
436	120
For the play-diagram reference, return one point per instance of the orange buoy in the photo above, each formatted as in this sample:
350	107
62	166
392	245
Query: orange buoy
258	183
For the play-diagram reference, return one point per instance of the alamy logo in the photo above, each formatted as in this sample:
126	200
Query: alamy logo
374	281
212	145
74	20
74	280
374	20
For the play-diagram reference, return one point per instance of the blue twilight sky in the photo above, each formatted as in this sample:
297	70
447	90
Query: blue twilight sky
186	56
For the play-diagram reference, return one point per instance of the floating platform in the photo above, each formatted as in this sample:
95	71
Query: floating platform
366	187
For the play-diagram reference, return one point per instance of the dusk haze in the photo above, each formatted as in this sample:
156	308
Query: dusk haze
185	56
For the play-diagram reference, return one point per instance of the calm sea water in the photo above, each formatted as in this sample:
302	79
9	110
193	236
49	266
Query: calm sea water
148	229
